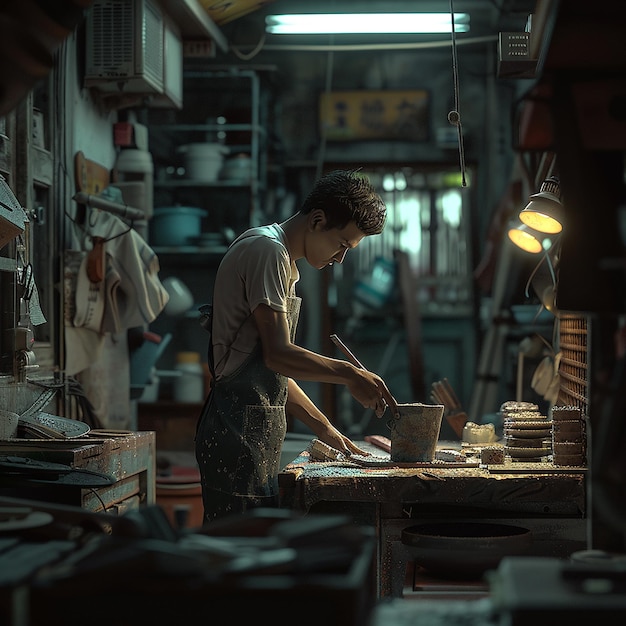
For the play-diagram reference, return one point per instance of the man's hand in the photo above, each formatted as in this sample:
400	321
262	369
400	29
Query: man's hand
340	442
371	391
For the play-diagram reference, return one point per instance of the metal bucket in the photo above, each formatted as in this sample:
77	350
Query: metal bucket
414	434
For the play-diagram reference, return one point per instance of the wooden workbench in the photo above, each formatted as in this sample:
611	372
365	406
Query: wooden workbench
550	501
127	457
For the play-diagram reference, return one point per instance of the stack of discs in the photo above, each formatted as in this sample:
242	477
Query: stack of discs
568	436
527	433
492	455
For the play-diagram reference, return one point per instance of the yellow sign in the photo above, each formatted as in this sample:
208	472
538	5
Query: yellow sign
355	115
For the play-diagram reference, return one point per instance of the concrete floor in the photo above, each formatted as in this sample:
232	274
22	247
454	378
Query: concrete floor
294	444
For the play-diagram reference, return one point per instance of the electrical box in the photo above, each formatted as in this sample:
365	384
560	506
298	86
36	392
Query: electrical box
514	58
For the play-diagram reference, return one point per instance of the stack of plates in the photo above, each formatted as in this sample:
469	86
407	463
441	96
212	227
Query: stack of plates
208	240
568	436
527	433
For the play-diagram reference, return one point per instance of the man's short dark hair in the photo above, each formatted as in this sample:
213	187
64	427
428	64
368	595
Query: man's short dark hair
345	196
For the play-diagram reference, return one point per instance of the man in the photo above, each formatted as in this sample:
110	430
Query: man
252	355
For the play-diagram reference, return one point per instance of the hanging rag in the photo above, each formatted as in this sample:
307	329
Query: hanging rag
129	295
134	294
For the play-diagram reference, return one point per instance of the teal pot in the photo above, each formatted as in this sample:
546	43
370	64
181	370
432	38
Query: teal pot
176	225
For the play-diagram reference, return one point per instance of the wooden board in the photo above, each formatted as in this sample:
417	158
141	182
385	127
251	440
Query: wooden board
412	317
91	177
320	452
535	468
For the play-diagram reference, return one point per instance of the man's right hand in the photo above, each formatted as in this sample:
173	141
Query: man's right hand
370	390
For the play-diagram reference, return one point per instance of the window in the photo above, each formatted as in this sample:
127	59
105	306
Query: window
428	218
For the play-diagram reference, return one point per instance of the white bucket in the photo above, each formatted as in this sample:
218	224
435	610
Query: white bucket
203	161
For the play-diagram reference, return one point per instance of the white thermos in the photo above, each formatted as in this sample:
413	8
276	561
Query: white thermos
189	386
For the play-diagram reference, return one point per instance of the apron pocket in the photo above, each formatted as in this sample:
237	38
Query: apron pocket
264	433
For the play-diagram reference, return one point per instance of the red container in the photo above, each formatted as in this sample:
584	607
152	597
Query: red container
179	494
123	134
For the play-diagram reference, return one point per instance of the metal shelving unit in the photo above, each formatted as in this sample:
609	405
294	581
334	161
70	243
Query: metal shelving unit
242	97
237	98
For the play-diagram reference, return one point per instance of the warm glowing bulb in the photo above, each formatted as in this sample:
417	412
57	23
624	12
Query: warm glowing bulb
541	222
525	240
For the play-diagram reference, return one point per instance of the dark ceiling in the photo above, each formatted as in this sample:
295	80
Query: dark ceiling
579	33
487	17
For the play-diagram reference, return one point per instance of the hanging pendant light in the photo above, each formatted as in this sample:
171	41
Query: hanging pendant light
544	212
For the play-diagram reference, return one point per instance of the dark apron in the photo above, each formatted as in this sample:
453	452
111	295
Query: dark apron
240	435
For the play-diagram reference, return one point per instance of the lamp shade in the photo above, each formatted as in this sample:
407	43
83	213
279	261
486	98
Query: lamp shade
544	212
526	238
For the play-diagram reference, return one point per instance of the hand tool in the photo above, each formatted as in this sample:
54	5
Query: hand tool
352	358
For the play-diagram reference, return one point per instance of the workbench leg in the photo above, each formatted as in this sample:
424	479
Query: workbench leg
400	560
393	561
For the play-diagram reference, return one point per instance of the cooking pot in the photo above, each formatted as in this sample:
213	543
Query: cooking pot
176	225
238	167
203	161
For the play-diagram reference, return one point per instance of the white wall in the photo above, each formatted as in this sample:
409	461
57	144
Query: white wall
91	122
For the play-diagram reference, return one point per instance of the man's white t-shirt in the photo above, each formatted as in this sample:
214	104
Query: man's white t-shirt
256	269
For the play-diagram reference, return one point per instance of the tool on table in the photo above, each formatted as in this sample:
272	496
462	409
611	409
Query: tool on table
442	392
380	441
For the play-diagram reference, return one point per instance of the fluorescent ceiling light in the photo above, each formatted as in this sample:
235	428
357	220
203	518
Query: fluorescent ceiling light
347	23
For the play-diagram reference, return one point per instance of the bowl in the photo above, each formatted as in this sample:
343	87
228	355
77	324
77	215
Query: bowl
238	167
468	549
180	297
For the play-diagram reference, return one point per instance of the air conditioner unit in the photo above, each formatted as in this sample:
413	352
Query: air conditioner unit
172	67
132	48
